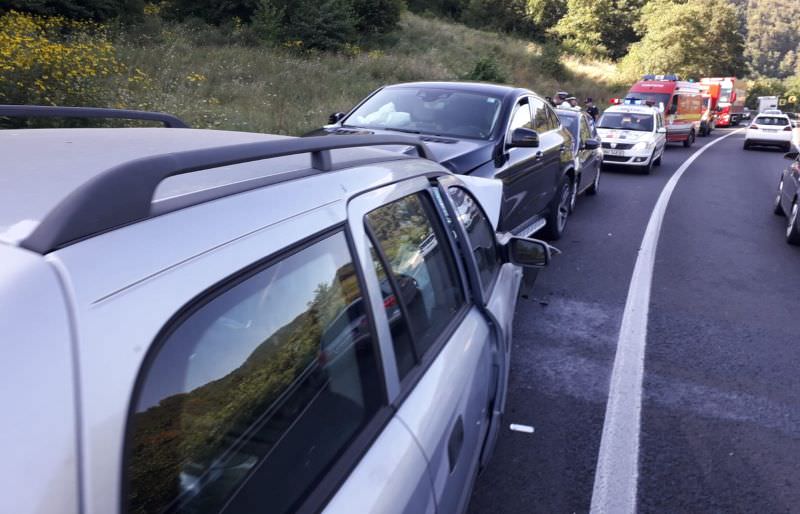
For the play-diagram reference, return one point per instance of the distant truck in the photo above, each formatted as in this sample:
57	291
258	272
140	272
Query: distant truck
680	102
708	121
731	99
767	103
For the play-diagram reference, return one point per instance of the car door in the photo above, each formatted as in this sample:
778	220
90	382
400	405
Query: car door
791	185
590	159
495	285
522	173
661	135
437	341
554	147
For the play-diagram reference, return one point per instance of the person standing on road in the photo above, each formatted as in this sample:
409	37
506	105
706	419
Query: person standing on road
559	98
592	109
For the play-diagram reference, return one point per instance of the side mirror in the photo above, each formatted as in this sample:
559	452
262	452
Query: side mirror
591	144
661	130
791	156
524	138
530	253
335	117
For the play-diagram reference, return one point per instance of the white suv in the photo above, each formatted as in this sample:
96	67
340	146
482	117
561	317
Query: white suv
632	135
198	321
769	130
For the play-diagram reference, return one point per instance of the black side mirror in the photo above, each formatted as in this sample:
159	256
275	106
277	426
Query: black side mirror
335	117
524	138
591	144
530	253
792	156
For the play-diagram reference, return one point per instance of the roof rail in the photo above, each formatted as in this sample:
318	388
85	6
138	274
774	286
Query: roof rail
124	194
46	111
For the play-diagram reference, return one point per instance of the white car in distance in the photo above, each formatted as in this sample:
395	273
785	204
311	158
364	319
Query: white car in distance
769	130
632	135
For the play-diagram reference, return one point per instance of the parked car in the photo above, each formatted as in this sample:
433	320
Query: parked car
586	148
200	320
633	135
769	130
787	201
481	130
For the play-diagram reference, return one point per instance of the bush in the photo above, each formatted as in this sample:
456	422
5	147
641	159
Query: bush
53	60
377	16
211	11
486	69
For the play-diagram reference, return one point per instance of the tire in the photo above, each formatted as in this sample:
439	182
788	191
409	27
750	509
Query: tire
595	187
746	146
689	141
657	162
787	147
778	210
793	227
558	211
703	130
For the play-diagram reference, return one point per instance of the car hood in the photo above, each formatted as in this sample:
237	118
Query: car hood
458	155
623	135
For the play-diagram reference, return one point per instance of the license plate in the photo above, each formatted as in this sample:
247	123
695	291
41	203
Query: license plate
609	151
770	130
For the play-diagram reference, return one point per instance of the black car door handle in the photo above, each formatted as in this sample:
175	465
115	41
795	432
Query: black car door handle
538	155
455	443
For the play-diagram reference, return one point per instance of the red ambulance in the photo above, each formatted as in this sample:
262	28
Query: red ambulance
680	102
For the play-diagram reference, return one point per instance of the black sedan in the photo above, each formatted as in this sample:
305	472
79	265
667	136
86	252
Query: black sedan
586	147
482	130
787	201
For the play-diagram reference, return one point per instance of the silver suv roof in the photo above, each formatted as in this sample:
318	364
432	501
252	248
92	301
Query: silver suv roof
48	167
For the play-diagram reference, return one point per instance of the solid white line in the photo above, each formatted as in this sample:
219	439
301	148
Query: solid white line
617	474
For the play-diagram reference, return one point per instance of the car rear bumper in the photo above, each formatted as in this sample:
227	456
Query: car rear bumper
778	138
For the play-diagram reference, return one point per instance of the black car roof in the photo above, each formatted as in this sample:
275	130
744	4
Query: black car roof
472	87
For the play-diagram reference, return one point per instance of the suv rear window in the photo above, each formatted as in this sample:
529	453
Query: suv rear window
778	121
253	396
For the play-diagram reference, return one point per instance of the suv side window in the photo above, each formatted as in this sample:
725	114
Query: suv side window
254	394
586	132
480	234
522	117
415	251
541	120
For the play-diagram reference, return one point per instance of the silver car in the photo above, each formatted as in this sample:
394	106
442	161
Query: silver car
204	321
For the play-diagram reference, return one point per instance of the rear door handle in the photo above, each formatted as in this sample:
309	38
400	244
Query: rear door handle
455	443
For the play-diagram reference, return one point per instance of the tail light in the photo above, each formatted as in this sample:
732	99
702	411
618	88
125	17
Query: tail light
787	128
753	127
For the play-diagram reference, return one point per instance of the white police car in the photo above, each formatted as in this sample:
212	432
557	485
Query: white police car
632	135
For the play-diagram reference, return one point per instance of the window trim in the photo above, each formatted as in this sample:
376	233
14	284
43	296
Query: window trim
424	361
517	105
473	273
358	446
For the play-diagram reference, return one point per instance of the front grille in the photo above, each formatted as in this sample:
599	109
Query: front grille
619	146
615	158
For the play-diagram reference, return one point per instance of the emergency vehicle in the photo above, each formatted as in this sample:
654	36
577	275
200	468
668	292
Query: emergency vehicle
708	121
632	135
679	101
731	100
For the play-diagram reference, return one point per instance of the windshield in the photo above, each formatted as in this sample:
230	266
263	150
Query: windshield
434	111
626	121
659	100
725	94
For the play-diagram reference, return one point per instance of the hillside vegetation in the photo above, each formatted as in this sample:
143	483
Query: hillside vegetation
219	77
283	66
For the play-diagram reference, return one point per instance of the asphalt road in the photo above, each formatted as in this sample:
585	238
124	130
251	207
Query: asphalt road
720	428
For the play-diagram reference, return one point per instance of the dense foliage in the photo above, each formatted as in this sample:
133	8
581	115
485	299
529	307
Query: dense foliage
98	10
773	36
694	38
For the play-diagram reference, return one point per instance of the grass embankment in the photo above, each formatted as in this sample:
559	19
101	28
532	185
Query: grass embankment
190	71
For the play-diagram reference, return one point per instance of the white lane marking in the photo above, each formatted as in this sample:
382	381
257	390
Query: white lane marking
527	429
617	475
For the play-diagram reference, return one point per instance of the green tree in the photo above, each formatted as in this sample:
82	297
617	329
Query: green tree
693	38
763	87
211	11
377	16
600	28
773	36
544	14
502	15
